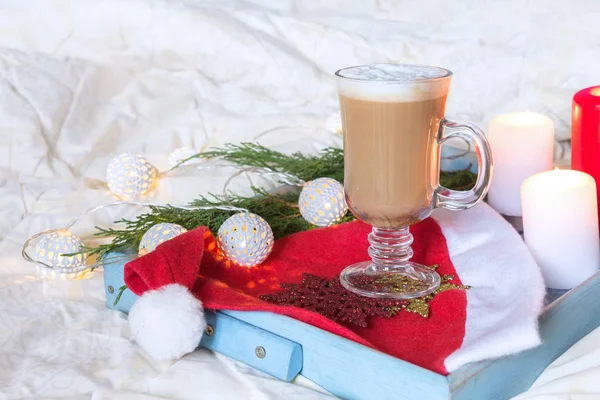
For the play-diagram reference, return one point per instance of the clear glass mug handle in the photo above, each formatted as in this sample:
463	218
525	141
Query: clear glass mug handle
462	200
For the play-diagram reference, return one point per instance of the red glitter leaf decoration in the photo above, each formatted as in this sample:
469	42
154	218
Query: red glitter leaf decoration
330	299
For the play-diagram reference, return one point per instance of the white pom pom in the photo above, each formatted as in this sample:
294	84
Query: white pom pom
168	322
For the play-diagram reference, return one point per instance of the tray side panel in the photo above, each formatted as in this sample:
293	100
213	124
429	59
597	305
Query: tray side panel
113	280
562	324
256	347
231	337
345	368
348	369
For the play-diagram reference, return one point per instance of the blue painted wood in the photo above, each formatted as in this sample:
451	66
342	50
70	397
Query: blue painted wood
232	337
353	371
562	324
239	340
348	369
113	280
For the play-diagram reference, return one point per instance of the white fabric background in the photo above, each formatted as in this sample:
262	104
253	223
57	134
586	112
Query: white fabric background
81	80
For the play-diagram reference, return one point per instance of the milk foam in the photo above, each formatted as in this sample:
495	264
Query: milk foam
393	82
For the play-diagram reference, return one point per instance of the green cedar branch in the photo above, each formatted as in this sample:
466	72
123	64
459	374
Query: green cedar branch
280	210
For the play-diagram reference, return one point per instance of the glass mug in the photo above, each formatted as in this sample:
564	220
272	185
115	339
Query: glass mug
394	126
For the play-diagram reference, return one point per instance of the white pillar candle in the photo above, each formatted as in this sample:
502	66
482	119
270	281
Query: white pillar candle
560	224
522	145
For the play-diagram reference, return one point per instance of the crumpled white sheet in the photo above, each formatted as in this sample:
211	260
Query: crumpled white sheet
82	80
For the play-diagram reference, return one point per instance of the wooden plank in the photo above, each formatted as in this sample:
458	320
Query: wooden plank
345	368
231	337
348	369
562	324
253	346
113	280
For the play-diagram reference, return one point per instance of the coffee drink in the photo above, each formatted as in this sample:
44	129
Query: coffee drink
394	125
391	116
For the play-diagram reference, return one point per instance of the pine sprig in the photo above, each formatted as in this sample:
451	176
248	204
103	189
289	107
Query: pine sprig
280	210
329	163
462	179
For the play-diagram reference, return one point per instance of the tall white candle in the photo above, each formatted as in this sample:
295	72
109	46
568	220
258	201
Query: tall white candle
522	145
560	224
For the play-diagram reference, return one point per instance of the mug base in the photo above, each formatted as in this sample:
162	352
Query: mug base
407	281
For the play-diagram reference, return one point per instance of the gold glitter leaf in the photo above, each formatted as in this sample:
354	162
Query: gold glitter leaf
419	306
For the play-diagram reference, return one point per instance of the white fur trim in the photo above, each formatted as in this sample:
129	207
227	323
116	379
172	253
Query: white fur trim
507	290
168	322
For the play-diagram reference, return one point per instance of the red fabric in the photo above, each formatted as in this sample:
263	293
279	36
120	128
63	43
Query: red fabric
174	261
325	252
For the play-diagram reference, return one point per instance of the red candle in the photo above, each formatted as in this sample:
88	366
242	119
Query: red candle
585	134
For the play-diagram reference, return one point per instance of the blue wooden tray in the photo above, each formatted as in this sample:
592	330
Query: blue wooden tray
284	347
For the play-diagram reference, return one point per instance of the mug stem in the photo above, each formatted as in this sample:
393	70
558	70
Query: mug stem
390	273
390	248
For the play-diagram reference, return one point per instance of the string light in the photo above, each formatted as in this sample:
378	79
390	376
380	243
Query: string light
58	252
322	202
181	154
246	239
54	246
158	234
51	247
130	176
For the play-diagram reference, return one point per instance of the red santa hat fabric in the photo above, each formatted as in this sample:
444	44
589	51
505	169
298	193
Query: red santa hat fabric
477	246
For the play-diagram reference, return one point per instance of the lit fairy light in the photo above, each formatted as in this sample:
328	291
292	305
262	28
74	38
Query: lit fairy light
246	239
130	176
322	202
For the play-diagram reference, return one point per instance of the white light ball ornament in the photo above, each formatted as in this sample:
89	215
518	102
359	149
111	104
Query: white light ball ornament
51	250
130	175
158	234
322	202
180	154
246	239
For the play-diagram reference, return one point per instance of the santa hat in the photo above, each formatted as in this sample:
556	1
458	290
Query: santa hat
167	321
